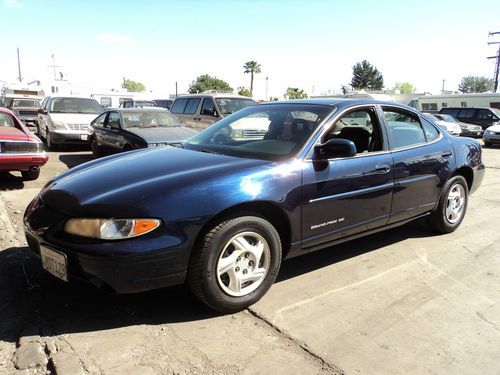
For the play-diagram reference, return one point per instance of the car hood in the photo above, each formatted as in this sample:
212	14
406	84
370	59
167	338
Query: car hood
112	185
494	128
163	134
12	134
74	118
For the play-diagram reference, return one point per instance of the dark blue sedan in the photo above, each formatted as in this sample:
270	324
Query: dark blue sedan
269	182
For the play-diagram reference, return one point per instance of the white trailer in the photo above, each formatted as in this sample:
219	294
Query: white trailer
434	103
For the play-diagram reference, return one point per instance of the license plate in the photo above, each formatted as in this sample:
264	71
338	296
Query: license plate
54	262
84	137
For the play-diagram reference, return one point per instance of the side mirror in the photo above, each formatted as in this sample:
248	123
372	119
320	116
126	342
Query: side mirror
335	148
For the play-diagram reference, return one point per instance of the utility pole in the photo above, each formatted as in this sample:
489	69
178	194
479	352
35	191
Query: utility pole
54	66
497	62
20	78
267	81
442	87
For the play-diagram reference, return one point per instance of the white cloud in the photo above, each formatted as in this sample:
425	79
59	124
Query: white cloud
12	3
114	38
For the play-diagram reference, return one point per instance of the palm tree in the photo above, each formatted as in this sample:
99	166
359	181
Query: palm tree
251	67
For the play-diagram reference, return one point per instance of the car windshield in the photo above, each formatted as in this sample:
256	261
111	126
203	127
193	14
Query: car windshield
26	103
496	112
75	105
6	120
231	105
269	132
149	119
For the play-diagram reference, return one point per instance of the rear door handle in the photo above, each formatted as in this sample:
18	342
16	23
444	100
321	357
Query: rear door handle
382	168
446	154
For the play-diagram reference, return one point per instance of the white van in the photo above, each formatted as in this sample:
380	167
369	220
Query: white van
65	119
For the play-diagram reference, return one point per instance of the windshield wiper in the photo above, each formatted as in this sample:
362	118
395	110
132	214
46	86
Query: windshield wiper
210	151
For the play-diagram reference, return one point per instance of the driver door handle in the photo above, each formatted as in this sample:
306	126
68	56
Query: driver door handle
382	168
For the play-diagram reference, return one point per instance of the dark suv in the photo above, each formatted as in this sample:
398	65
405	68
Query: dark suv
484	117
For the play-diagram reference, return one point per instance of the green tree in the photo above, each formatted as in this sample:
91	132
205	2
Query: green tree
133	86
294	93
404	87
366	77
251	67
243	91
206	82
471	84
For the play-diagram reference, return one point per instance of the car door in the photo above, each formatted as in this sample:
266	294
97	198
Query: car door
347	195
98	129
113	137
423	158
42	118
208	113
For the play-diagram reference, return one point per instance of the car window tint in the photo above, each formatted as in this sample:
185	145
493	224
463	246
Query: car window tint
114	119
430	131
192	106
178	106
361	127
404	128
467	113
6	120
208	108
450	111
100	120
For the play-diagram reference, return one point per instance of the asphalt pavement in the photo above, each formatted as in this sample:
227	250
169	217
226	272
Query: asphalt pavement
400	301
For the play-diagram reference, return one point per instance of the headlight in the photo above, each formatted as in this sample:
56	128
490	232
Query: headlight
488	132
110	229
58	125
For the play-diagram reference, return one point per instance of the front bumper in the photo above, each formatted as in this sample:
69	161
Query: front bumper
492	138
153	261
60	137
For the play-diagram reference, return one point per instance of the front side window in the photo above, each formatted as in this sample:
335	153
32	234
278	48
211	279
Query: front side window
114	120
484	114
179	105
361	127
75	105
269	132
467	113
404	128
208	108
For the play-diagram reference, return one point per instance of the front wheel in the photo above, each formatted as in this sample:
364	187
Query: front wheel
487	144
48	139
452	206
236	263
31	174
96	151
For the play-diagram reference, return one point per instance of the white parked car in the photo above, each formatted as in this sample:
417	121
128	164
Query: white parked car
449	127
63	120
491	135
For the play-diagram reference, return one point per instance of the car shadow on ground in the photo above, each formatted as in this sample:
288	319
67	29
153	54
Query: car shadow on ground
72	160
9	181
34	302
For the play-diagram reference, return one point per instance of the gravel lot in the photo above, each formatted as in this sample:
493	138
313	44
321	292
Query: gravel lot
401	301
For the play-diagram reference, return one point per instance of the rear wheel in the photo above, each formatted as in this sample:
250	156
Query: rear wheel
235	264
48	139
452	206
30	175
487	144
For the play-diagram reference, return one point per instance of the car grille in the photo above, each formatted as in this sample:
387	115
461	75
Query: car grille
20	147
27	113
79	127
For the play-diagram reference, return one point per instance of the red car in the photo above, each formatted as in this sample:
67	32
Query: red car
20	150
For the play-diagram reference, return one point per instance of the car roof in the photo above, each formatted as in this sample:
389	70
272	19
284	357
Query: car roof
340	102
213	95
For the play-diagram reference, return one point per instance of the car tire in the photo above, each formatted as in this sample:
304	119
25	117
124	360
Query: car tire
487	144
235	263
452	206
96	151
48	139
30	175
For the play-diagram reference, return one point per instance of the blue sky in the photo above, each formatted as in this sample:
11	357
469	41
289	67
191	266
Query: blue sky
308	44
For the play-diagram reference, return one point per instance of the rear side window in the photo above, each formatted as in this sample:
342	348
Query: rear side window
430	131
467	113
450	111
404	128
192	106
178	106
